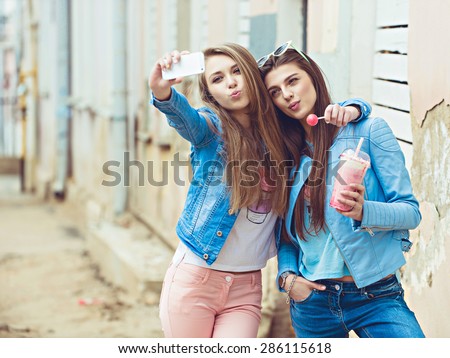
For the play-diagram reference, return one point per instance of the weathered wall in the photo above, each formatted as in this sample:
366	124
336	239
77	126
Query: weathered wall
429	67
428	269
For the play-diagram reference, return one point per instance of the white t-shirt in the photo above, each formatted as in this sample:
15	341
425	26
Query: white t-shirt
249	245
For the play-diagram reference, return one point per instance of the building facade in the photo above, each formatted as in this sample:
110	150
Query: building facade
91	137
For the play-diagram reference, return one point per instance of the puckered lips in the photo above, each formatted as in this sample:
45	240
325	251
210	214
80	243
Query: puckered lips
293	106
235	94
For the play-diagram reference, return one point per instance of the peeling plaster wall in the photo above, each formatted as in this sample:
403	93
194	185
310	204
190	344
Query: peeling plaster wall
428	64
426	274
431	161
425	277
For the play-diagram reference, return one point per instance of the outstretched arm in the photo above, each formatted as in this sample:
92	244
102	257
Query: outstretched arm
188	121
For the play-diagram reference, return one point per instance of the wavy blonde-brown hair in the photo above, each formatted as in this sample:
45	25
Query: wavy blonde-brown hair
246	147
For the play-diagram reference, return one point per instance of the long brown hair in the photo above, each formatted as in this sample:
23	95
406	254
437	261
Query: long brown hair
322	138
246	147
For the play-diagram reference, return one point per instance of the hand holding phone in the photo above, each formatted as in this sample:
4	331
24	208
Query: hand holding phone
189	64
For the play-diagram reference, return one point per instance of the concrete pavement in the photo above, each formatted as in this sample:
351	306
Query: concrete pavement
56	283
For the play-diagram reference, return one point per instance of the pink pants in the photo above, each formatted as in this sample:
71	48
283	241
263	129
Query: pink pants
198	302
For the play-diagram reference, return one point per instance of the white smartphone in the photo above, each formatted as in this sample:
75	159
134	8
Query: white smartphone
189	64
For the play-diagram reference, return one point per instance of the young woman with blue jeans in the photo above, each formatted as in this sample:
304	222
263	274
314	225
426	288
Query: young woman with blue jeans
340	268
227	228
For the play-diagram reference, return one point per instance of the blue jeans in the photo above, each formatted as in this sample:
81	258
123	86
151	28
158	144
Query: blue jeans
375	311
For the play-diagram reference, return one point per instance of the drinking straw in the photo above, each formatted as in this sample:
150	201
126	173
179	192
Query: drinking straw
358	148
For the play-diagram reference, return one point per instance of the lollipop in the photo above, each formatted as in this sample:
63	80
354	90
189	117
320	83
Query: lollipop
312	119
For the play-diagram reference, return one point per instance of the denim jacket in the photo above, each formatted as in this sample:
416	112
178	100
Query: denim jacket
372	248
206	219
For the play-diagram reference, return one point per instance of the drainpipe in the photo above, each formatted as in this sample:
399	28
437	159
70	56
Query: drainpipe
29	76
119	114
21	87
62	95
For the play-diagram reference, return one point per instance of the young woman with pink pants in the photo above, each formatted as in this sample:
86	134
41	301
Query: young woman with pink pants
238	192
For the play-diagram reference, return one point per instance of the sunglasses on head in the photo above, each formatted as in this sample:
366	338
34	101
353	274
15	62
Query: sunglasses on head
279	51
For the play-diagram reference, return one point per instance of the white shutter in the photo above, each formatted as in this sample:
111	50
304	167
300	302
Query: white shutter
390	90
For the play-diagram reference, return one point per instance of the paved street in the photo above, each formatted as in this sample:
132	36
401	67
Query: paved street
50	287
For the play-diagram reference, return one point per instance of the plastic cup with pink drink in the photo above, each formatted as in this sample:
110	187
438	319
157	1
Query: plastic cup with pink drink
353	166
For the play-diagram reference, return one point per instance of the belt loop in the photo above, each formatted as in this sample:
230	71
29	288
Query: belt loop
253	279
205	278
